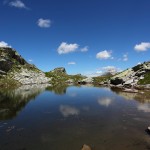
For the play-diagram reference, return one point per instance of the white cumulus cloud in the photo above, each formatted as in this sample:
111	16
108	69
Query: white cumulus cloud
44	23
144	46
71	63
30	60
99	72
17	4
110	69
125	57
4	44
103	55
84	49
65	48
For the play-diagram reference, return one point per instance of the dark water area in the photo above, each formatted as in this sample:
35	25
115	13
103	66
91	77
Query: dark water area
66	117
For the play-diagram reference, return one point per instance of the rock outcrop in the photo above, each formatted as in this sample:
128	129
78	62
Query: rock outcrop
13	66
131	77
59	70
30	77
8	58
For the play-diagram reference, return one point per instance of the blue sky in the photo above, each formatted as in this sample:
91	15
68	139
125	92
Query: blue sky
84	36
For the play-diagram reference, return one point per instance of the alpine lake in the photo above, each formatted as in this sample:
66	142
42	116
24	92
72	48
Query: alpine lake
41	117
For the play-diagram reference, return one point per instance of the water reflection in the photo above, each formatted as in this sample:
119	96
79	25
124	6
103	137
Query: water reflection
142	96
58	89
12	101
104	101
95	116
67	110
72	94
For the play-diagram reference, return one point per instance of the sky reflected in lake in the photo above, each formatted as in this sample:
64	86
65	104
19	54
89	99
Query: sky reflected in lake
66	117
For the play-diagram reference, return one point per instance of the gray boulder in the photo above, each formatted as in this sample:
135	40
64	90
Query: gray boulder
116	81
129	83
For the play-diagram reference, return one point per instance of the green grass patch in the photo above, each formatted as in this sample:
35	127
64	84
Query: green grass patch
146	79
61	77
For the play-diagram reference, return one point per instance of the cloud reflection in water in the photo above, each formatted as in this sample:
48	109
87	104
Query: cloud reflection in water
104	101
67	110
144	107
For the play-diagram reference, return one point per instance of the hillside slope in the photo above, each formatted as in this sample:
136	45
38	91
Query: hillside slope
14	67
138	75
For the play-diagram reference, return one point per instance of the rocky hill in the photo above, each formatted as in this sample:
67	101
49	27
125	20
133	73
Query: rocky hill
133	77
60	76
16	69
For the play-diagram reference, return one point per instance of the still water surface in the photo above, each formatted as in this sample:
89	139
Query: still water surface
65	118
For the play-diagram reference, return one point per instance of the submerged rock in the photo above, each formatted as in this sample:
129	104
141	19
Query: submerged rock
148	130
86	147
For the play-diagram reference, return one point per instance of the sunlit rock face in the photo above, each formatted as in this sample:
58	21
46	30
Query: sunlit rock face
26	76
